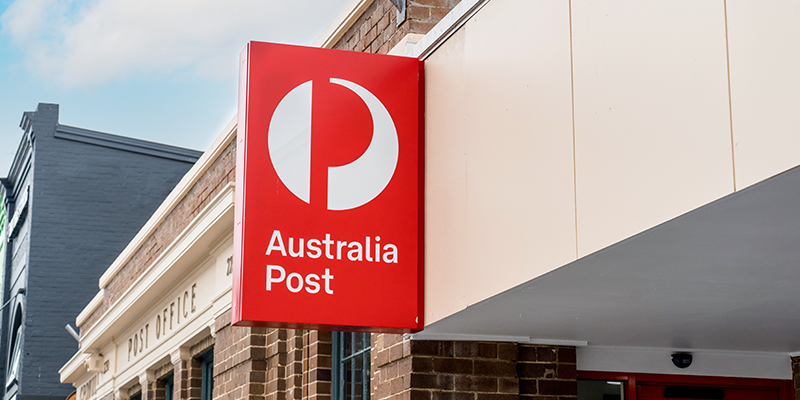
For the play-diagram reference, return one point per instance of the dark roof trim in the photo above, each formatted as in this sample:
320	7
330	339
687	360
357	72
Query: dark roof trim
25	123
20	165
126	144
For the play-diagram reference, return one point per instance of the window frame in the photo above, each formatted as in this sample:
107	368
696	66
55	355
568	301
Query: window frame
206	360
339	358
169	386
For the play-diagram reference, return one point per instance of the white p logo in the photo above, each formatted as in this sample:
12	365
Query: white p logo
349	186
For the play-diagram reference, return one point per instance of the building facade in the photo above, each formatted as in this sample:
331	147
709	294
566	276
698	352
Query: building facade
156	327
75	198
610	214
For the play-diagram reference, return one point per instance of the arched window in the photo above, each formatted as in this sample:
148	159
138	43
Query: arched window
15	355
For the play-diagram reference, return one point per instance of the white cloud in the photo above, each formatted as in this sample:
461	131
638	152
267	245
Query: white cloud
85	43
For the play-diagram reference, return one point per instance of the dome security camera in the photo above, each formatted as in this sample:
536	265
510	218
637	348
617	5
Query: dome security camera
682	360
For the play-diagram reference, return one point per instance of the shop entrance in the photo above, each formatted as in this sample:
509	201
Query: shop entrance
666	392
629	386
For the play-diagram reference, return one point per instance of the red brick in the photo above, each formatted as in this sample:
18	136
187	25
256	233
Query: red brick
533	370
546	353
422	364
496	396
387	5
382	358
432	381
438	13
434	3
426	348
566	355
494	368
507	351
558	388
452	396
420	395
452	366
527	353
418	12
528	386
389	339
567	371
391	371
371	35
383	23
465	349
396	385
472	383
508	385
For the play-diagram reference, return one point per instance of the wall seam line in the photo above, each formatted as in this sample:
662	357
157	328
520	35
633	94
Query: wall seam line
574	154
730	97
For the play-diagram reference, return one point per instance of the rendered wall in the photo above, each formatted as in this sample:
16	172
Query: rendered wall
555	129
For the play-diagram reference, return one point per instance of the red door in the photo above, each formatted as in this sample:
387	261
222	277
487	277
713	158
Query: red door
639	386
659	392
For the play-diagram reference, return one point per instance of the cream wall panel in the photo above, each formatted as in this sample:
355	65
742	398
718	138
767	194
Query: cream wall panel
499	154
764	46
445	179
223	279
168	320
652	121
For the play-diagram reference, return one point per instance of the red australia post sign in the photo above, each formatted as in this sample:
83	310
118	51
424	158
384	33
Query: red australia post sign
329	176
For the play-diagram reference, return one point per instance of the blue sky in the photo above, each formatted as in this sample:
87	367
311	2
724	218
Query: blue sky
160	70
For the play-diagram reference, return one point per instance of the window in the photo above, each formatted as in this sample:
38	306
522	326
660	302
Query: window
15	354
2	240
351	366
169	386
207	368
601	390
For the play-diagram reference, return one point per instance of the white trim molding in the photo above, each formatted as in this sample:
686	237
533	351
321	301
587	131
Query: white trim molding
74	367
89	309
449	25
180	354
212	222
495	338
558	342
343	21
406	45
467	337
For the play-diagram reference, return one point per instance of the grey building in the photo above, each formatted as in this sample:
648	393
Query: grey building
72	201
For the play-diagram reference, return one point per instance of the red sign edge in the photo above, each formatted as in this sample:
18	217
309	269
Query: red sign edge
421	199
241	151
241	142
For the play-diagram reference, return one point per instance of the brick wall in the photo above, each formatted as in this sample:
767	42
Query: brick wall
219	173
452	370
270	364
160	392
187	379
547	372
239	361
317	365
376	30
148	390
